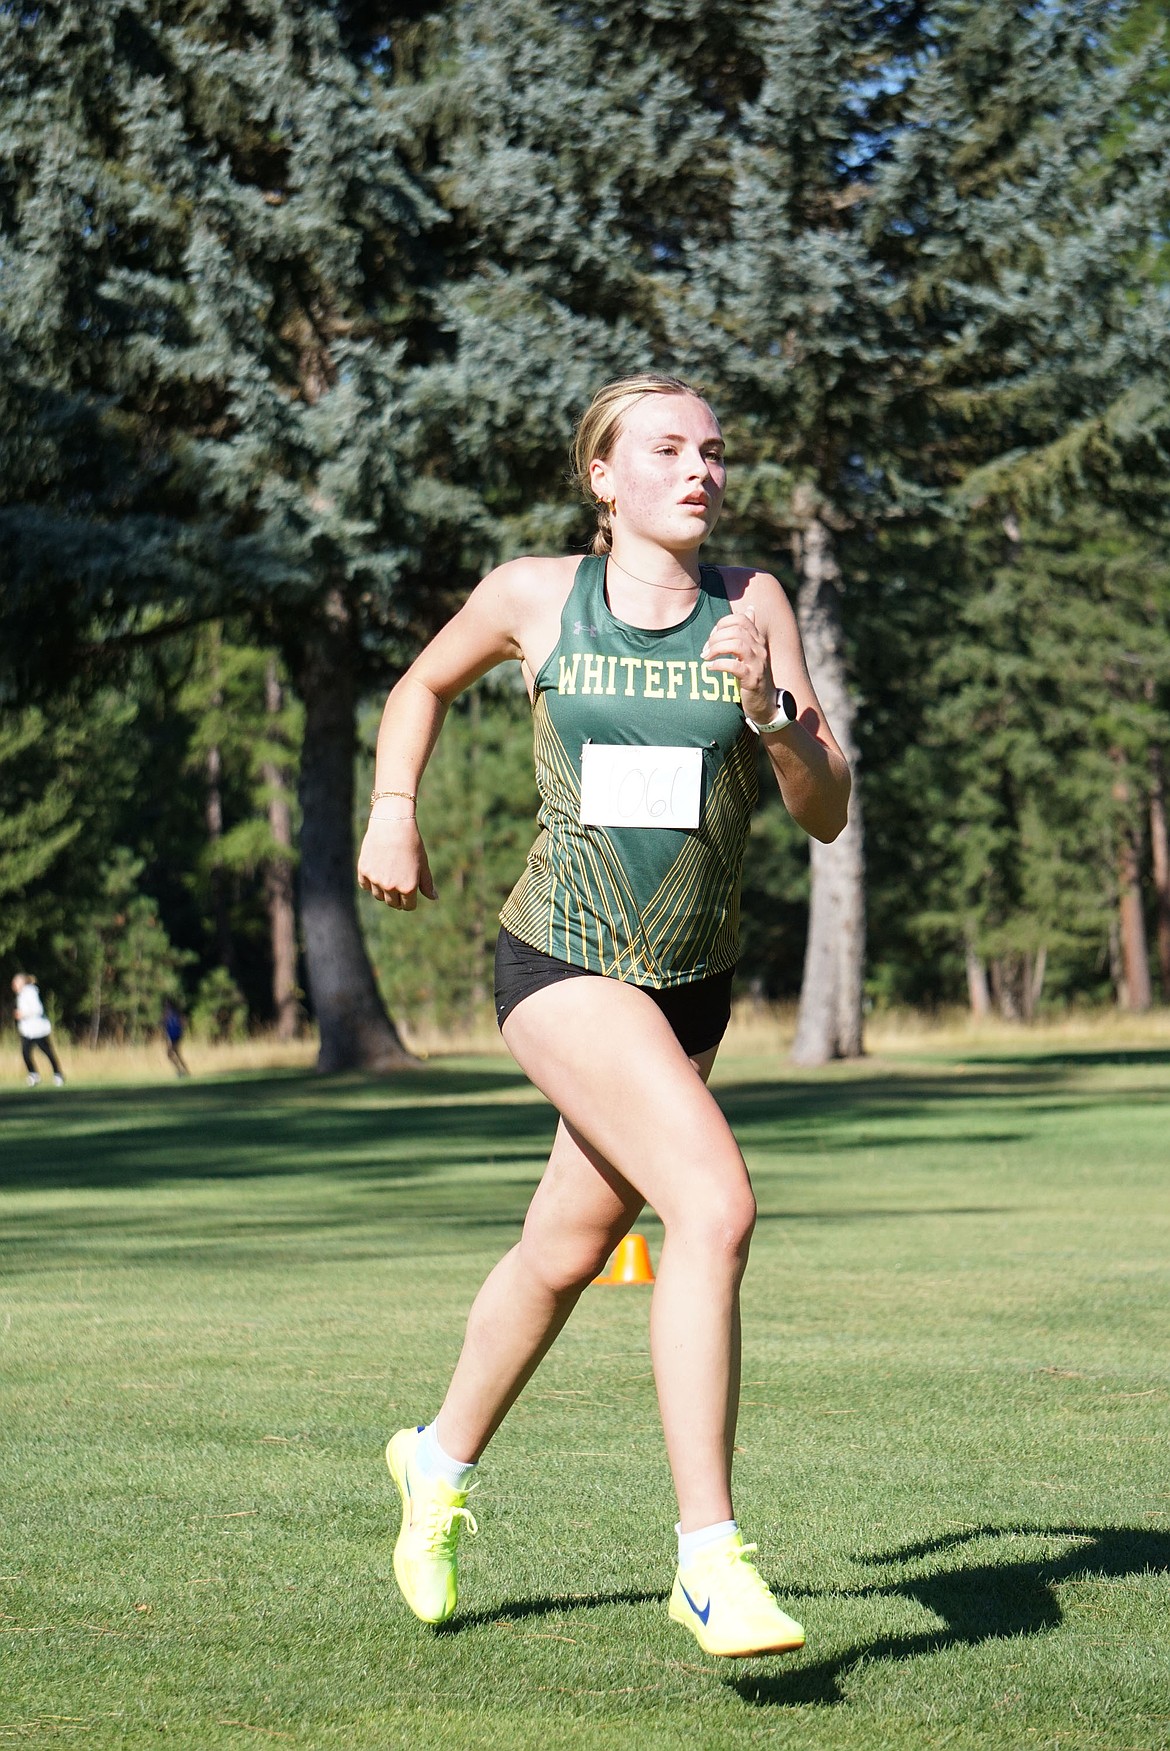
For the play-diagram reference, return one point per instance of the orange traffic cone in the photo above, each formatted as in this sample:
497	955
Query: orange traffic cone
630	1264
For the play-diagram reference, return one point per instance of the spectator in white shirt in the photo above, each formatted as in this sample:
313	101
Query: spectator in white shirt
34	1028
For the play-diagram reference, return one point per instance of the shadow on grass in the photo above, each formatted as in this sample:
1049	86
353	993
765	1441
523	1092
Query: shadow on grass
442	1116
978	1602
518	1610
820	1111
1148	1057
267	1126
891	1213
365	1165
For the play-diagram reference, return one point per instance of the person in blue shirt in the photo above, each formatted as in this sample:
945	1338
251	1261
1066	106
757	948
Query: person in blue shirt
172	1026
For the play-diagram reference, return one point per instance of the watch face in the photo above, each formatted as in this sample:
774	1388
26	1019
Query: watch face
786	705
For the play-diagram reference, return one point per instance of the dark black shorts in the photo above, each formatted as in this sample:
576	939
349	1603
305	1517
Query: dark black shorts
698	1012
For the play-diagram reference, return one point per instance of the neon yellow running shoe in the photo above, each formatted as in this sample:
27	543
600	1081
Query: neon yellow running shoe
726	1604
426	1555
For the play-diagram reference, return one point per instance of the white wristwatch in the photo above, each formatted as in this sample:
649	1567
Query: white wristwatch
785	714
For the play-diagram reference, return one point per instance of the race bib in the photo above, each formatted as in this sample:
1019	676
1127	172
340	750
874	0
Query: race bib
640	787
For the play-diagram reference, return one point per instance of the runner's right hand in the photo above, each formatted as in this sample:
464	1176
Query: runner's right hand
392	864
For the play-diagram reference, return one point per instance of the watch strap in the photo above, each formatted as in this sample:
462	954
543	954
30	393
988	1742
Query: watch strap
785	714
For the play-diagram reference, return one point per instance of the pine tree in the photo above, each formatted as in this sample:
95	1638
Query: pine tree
575	150
124	954
1044	717
241	752
37	821
300	300
926	267
209	241
66	777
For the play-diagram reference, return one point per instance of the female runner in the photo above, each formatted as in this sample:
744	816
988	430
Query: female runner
652	680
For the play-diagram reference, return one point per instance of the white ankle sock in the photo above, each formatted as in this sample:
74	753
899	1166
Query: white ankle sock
690	1543
434	1462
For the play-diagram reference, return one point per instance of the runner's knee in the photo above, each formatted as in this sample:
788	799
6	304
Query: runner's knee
720	1223
566	1259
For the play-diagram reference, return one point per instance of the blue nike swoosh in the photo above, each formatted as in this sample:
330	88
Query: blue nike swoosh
701	1615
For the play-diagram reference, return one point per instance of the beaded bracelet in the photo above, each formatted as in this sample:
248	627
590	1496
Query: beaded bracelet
377	795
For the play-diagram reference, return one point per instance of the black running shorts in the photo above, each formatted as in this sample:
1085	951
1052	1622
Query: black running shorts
698	1012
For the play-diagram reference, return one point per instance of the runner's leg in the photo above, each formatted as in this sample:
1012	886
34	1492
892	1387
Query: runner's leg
605	1056
580	1210
578	1213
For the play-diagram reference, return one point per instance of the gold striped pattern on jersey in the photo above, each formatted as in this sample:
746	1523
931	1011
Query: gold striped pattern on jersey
574	885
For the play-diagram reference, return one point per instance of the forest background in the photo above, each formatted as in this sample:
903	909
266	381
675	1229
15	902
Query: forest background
298	304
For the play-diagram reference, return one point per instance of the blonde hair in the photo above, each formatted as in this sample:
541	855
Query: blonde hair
600	427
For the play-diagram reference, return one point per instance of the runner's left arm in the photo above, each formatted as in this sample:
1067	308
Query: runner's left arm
759	643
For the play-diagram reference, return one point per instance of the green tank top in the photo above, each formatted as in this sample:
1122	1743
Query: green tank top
655	906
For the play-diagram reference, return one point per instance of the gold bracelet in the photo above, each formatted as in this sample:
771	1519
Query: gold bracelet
377	795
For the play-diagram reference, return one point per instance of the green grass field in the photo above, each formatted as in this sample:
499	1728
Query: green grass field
220	1297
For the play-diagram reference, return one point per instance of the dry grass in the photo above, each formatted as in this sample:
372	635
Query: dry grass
148	1062
768	1029
430	1040
763	1028
911	1031
757	1030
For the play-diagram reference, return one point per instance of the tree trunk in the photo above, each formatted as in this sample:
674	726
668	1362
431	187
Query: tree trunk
1135	960
278	882
95	1024
1003	983
1160	849
213	817
829	1020
978	994
356	1032
1036	983
480	982
1135	994
1116	965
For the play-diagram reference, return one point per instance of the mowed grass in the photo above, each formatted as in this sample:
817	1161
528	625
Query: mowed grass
221	1296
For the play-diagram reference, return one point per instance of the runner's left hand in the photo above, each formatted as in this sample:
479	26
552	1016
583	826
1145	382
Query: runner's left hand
737	645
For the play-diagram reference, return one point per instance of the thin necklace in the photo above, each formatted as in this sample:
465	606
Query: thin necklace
649	582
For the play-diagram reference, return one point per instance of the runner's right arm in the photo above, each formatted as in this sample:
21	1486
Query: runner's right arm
489	629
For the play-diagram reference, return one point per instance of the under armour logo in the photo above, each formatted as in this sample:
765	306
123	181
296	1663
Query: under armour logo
582	629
